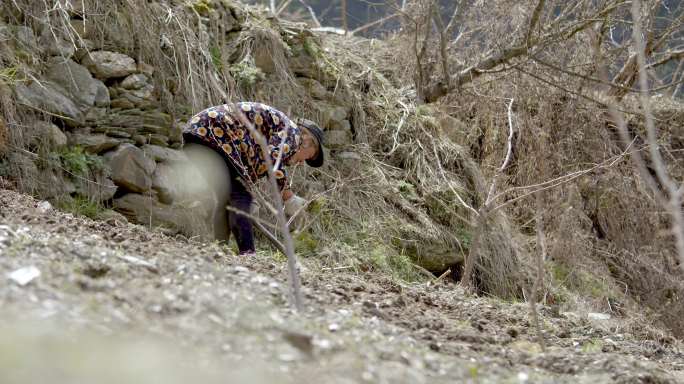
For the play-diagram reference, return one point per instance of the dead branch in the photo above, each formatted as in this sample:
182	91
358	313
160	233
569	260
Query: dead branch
505	55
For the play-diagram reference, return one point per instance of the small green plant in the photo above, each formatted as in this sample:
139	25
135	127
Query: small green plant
216	57
81	206
246	73
203	7
9	75
474	372
592	346
78	162
305	243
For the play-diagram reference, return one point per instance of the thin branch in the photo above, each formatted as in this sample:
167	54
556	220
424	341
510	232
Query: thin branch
507	159
374	23
293	273
311	12
283	6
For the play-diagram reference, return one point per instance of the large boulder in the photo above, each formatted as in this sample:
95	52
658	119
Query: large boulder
145	209
106	64
51	98
130	168
75	79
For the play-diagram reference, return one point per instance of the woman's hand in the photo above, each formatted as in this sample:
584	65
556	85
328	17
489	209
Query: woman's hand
286	194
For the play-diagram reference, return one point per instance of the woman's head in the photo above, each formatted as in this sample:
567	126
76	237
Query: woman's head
311	146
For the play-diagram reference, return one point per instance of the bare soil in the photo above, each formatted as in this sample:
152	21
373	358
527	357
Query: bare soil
117	302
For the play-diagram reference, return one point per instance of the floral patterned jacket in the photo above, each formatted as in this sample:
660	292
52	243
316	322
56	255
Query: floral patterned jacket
221	128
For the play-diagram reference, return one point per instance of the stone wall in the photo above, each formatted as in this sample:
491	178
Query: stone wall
108	104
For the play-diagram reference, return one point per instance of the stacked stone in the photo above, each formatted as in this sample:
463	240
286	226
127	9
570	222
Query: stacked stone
109	107
107	104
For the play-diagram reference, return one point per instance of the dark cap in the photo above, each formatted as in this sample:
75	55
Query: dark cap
318	134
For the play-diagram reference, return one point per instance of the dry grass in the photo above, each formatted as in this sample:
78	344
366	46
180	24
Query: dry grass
404	201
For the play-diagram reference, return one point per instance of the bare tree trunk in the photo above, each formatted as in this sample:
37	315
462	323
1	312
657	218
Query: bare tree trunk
539	280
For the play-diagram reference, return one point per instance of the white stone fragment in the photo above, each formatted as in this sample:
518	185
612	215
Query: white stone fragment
598	316
25	275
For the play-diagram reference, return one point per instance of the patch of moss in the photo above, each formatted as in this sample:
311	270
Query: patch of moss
312	48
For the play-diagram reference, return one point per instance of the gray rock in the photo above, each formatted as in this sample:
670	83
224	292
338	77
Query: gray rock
163	154
146	69
337	139
56	136
101	94
56	45
51	98
106	64
93	143
75	79
100	189
130	168
23	35
135	81
313	87
95	114
53	184
117	133
52	134
122	103
159	140
139	140
350	160
83	29
340	125
330	114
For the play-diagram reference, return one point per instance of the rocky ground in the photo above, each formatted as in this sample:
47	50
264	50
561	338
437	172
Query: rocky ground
117	302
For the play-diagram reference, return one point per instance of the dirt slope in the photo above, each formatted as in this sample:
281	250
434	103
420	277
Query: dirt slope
117	303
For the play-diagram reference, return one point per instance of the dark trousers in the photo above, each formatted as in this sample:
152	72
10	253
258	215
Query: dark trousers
240	201
229	189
